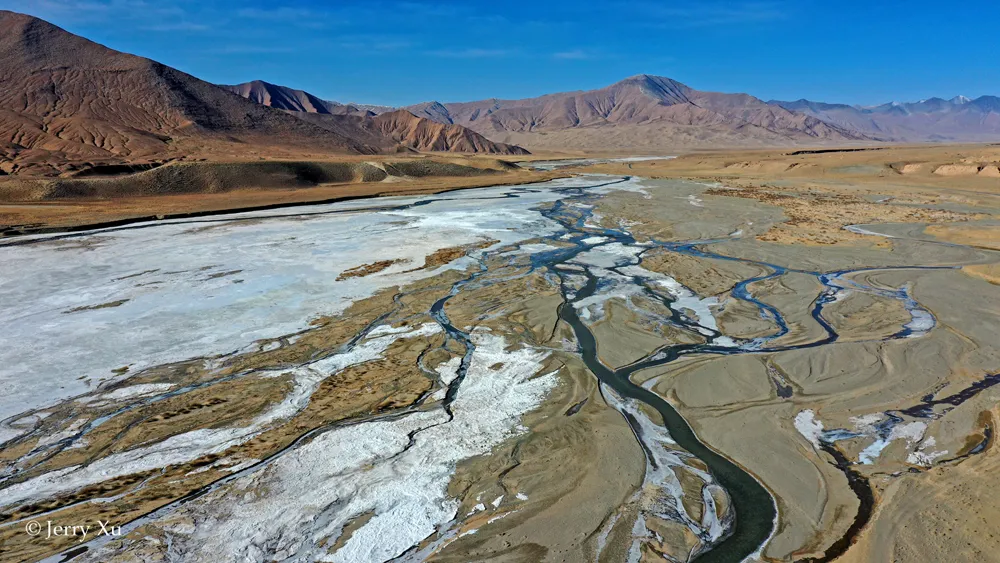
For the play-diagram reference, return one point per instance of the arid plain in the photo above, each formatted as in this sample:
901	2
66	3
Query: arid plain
498	377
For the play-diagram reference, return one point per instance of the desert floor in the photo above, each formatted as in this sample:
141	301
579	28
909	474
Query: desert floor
774	355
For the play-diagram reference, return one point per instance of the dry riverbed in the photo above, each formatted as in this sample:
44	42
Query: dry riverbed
357	381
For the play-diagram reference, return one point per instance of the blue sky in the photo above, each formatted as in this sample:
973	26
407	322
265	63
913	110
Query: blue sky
397	53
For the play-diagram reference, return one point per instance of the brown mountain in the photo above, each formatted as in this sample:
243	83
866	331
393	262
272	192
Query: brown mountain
426	135
639	112
400	130
280	97
934	119
69	103
290	99
389	128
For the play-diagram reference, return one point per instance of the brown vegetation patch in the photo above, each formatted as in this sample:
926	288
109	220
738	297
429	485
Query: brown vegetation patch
447	255
982	236
702	276
819	217
368	269
988	272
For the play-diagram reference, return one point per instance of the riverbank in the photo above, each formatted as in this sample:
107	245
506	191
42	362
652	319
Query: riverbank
184	190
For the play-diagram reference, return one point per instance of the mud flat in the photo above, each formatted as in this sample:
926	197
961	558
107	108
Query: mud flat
598	368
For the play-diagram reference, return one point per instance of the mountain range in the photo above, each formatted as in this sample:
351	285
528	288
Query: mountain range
642	112
68	104
67	101
646	112
399	126
933	119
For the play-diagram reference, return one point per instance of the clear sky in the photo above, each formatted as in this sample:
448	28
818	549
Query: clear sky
396	53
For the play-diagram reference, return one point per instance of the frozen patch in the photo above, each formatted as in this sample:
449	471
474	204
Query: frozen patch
810	428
